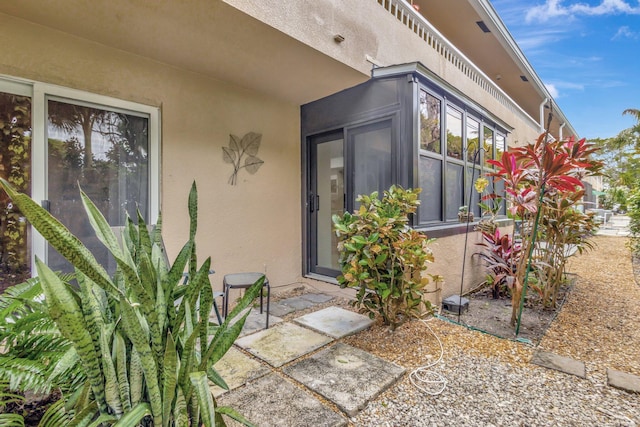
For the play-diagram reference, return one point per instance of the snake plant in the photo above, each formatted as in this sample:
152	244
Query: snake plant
142	340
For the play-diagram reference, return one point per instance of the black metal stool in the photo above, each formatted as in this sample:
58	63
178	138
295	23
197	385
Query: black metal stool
244	281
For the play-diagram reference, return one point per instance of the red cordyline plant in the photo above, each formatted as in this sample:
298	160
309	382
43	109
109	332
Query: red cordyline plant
535	177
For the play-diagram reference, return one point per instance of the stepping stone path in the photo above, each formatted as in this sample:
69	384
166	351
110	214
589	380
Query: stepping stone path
276	386
617	379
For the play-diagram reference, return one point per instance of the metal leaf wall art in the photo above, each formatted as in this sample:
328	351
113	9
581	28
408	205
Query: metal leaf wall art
242	153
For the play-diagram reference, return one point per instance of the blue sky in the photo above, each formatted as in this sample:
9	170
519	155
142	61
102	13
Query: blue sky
586	52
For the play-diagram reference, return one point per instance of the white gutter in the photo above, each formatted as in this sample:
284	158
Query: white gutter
542	114
560	131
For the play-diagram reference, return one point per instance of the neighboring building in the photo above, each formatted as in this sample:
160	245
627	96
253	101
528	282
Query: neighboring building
348	97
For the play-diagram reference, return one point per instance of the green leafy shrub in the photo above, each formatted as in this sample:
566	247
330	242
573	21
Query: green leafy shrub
143	341
633	206
384	258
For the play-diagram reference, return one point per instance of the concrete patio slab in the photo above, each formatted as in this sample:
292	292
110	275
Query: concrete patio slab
237	368
280	309
256	322
335	322
282	343
559	363
345	375
298	303
623	381
317	298
273	401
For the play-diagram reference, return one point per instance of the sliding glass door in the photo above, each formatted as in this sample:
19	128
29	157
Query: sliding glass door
105	152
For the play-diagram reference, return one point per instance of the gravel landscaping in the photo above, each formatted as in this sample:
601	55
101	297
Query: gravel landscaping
490	381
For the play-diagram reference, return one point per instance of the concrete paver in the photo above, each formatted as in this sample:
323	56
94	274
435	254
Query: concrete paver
345	375
273	401
623	381
237	368
335	322
282	343
257	321
317	298
559	363
280	309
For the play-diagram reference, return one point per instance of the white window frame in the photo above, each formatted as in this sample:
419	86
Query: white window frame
39	93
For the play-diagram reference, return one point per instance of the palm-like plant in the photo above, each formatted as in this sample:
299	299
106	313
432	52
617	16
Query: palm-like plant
35	356
144	342
535	176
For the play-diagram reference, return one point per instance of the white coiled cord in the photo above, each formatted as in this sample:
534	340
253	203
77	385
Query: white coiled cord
424	378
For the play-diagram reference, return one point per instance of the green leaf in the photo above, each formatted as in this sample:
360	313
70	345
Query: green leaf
135	332
180	413
101	226
170	377
382	258
55	416
213	353
65	311
205	399
215	378
134	417
136	382
120	352
231	413
193	213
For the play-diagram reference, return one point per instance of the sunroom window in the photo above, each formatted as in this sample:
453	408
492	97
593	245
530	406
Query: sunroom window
401	127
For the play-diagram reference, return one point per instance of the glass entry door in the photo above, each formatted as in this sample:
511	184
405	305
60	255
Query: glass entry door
326	198
340	172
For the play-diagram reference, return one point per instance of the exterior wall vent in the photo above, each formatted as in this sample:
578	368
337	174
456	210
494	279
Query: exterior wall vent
483	27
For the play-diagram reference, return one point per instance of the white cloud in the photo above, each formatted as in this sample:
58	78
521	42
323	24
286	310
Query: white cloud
625	33
553	91
556	8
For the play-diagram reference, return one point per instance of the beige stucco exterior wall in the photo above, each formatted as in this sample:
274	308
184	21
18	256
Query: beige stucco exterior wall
244	227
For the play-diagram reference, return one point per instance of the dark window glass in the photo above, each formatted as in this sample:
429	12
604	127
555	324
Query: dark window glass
431	184
472	175
371	159
500	145
454	133
430	122
488	144
473	139
455	196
